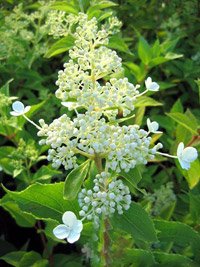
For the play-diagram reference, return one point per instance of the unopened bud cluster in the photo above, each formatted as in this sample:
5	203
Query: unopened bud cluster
123	147
161	198
105	198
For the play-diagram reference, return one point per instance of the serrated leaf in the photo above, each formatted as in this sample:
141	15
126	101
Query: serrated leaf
144	51
45	173
173	260
14	257
117	43
23	219
146	101
136	222
184	121
171	56
140	258
177	107
193	174
178	233
60	46
133	176
33	259
63	6
43	201
139	115
75	179
195	206
135	69
102	5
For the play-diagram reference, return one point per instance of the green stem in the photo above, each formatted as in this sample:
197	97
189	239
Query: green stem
166	155
105	240
98	162
87	155
38	127
105	257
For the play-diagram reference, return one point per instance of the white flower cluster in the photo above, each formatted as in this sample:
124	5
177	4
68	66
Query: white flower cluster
105	198
76	85
80	81
59	134
123	147
59	23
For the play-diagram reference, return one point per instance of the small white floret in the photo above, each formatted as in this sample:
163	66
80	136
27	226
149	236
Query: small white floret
19	109
186	155
153	126
151	86
71	228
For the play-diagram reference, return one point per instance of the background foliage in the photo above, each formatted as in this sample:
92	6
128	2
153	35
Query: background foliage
158	39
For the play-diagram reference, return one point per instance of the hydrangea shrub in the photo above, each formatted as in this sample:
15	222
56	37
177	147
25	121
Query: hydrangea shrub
92	85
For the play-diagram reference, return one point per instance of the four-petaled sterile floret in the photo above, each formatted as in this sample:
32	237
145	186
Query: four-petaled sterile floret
186	155
70	229
19	109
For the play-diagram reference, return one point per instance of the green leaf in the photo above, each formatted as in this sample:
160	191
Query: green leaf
13	258
157	61
33	259
193	174
135	69
5	151
184	121
177	107
63	6
171	56
22	218
139	115
60	46
117	43
172	260
24	259
45	173
144	51
136	222
146	101
75	179
63	260
195	206
133	177
43	201
140	257
101	5
5	88
178	233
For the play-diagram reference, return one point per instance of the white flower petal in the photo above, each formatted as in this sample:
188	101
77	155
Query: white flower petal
69	104
180	149
184	164
73	237
78	226
153	126
189	154
153	86
69	218
18	106
148	81
27	109
14	113
61	231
